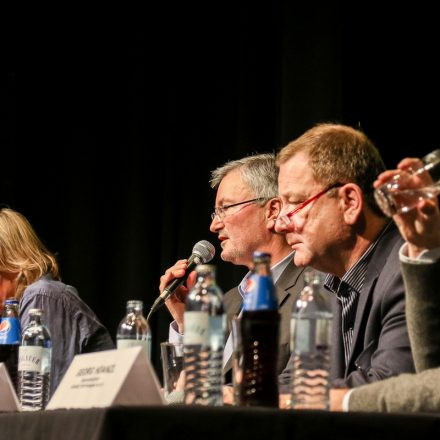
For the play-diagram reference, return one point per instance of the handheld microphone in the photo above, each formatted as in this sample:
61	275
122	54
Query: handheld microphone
203	252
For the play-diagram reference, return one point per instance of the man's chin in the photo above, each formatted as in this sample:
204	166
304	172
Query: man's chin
228	257
301	260
225	256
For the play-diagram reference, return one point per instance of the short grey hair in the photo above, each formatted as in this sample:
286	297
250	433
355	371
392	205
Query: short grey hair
259	172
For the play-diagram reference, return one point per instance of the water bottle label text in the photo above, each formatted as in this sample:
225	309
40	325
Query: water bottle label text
196	326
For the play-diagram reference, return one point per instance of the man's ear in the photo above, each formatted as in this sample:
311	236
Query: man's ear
273	208
351	200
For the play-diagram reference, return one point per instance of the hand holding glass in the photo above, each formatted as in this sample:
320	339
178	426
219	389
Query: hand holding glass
404	190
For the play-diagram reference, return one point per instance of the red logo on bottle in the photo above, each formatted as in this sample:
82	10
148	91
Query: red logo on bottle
250	284
5	326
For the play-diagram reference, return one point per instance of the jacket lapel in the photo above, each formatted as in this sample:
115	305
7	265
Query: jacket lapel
232	304
361	310
287	281
377	262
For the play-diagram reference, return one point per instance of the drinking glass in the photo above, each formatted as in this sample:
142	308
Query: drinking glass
403	191
237	358
173	374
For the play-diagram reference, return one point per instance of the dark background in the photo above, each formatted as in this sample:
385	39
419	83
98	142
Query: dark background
87	98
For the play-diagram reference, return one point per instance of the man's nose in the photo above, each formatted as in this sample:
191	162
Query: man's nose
216	224
283	228
280	227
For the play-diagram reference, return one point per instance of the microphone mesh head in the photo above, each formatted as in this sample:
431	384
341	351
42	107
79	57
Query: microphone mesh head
205	250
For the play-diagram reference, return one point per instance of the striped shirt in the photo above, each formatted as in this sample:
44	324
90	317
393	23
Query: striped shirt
347	290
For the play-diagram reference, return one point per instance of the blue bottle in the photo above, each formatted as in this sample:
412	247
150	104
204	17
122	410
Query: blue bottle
10	337
260	324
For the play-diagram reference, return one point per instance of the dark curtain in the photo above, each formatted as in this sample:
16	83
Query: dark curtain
111	120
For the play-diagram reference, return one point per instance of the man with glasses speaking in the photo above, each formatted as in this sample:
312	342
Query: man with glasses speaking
246	208
331	222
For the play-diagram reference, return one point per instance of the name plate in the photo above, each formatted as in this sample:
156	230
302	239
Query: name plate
8	398
108	378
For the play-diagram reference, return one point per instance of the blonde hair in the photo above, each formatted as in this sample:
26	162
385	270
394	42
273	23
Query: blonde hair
338	153
22	251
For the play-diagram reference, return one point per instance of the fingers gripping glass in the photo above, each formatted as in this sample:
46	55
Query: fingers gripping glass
286	219
220	212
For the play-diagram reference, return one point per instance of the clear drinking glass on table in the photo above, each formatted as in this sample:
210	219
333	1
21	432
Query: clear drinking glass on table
237	358
173	374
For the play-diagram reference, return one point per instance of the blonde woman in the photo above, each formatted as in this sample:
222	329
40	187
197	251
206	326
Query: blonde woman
29	272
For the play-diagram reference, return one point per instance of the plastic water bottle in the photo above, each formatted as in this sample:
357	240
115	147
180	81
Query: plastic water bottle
133	330
34	361
260	324
310	344
204	329
10	338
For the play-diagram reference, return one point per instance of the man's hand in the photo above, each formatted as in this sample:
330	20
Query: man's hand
176	302
420	227
284	401
336	398
228	395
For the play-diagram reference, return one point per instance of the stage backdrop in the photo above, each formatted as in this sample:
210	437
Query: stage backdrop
112	120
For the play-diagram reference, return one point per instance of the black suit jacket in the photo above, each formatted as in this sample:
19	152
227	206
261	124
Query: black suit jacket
381	346
289	284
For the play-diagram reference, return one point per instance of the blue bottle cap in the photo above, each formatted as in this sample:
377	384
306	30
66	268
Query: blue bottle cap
258	254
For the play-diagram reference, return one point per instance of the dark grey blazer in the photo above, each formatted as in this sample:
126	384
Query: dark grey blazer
289	284
381	346
412	392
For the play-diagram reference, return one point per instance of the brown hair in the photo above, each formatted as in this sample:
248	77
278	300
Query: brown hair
338	153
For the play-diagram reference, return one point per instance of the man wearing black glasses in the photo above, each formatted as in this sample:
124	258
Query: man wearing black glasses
331	221
246	208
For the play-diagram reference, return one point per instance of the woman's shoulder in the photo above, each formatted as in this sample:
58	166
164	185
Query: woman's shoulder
49	288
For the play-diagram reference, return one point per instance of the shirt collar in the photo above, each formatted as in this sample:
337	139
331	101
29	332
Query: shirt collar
355	276
279	268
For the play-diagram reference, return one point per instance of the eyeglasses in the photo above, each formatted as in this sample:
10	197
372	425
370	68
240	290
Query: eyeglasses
220	212
287	219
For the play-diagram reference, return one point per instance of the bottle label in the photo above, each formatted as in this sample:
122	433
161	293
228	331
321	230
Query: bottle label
324	330
196	326
310	334
34	359
10	331
217	328
128	343
46	361
300	331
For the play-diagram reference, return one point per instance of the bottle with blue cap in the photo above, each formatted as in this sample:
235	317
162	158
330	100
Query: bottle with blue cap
10	338
260	324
